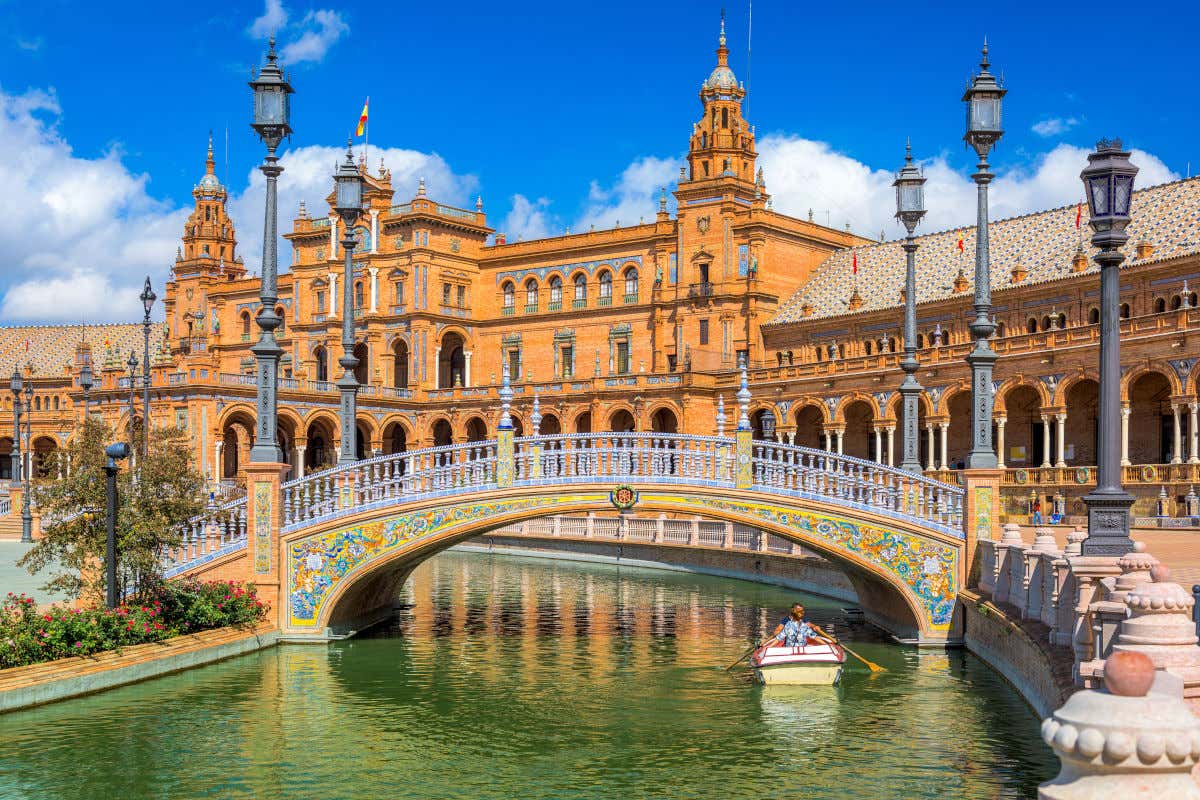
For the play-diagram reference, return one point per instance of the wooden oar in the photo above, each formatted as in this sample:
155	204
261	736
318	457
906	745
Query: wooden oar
870	664
742	657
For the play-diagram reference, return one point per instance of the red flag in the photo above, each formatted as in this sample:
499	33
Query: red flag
960	241
1078	214
855	267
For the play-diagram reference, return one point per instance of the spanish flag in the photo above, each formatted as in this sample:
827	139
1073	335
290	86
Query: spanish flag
960	244
362	118
855	267
1078	215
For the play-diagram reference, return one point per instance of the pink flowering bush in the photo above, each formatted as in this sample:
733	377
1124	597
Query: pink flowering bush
30	636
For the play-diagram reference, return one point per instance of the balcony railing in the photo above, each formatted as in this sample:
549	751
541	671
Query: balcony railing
554	305
604	301
508	311
702	289
579	302
531	308
630	298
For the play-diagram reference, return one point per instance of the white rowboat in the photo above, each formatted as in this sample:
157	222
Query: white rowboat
814	664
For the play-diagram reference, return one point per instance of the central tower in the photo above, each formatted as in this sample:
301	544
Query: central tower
722	143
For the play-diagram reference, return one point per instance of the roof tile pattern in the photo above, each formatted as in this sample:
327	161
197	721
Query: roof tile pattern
1043	243
51	348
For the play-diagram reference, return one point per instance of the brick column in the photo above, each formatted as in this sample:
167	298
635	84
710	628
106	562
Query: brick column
265	563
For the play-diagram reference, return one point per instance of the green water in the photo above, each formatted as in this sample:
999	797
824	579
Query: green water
524	678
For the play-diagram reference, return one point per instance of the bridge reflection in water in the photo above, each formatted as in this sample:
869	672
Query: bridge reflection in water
515	677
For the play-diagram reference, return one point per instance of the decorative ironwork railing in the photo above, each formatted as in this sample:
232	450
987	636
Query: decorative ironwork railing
778	470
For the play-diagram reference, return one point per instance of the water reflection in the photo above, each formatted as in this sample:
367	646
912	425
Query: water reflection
508	677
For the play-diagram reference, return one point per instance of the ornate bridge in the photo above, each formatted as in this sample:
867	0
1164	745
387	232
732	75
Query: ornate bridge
336	544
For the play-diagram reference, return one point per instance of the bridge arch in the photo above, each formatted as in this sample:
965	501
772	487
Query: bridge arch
339	573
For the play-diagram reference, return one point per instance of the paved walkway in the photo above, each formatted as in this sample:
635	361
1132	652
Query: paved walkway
17	579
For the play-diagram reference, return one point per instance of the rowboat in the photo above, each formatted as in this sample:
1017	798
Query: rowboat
814	664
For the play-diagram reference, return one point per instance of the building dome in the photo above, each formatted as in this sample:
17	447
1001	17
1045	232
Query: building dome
722	78
209	183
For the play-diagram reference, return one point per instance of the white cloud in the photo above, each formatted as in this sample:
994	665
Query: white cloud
273	18
1054	126
802	174
529	219
321	30
73	230
632	197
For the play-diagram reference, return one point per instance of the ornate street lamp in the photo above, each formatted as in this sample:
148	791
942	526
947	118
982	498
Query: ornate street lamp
983	98
348	205
86	382
15	385
147	297
1108	183
26	500
910	208
113	453
272	122
132	365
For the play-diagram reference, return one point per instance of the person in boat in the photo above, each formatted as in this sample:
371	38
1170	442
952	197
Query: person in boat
794	631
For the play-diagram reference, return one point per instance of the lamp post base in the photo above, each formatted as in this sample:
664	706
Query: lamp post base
1108	524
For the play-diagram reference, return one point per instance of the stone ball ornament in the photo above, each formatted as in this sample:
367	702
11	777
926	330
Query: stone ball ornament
1127	742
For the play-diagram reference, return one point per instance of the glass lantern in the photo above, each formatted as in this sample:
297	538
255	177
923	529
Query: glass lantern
348	199
1108	181
272	102
910	193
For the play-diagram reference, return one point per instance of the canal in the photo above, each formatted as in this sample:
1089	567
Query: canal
515	677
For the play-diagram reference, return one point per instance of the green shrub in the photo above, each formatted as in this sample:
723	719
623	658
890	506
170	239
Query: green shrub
29	635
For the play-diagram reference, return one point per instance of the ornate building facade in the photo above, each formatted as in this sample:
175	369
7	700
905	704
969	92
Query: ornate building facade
641	327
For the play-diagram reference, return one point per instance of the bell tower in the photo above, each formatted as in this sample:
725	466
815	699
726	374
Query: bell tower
209	241
722	143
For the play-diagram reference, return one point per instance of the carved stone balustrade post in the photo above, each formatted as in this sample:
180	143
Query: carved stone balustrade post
1063	627
1087	572
1039	559
1160	626
1008	541
1136	741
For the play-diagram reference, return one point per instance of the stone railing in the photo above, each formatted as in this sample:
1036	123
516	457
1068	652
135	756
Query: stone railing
220	530
694	532
1093	604
666	459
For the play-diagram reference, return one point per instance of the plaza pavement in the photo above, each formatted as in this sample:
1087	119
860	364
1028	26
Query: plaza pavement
17	579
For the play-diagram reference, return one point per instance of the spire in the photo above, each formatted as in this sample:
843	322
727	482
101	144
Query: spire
743	397
209	164
506	395
479	203
421	187
722	38
662	200
983	62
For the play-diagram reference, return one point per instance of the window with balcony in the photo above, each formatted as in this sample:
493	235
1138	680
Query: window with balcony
631	285
555	294
605	289
509	293
531	296
580	282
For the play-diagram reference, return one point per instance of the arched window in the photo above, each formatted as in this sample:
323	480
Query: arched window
321	356
1062	320
245	324
920	340
1176	302
1160	305
724	117
282	319
631	284
531	295
605	288
580	281
999	334
1094	316
555	293
510	296
56	402
1125	311
891	344
1032	325
400	364
703	140
867	348
358	294
819	354
1046	323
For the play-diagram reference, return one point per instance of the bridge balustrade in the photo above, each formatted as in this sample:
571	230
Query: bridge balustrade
221	529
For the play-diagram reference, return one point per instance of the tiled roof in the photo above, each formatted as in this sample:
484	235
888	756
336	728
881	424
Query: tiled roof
1044	243
51	348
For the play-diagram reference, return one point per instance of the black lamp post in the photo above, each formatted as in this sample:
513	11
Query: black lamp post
132	365
15	385
1108	183
910	208
26	500
86	382
272	122
348	205
147	297
114	453
983	98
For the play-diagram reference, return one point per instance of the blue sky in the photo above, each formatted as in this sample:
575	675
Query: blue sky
559	115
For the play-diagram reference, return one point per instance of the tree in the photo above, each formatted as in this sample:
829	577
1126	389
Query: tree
157	494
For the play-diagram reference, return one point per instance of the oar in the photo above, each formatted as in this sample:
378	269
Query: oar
742	657
870	664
